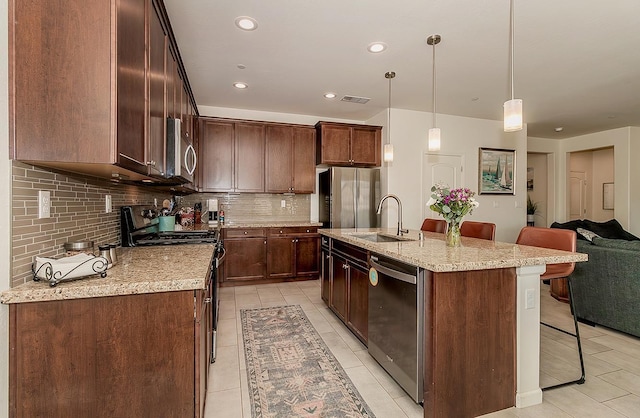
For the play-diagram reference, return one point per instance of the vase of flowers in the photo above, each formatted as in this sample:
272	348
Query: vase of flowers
453	205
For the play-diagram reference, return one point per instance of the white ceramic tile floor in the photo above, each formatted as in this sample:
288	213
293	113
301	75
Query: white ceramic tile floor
612	361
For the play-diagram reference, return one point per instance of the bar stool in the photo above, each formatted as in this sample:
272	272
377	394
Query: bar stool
558	239
482	230
434	225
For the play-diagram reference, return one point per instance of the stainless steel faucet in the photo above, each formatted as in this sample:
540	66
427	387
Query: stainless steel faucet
379	211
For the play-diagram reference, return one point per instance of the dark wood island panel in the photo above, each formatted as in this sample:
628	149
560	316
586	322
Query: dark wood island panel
470	342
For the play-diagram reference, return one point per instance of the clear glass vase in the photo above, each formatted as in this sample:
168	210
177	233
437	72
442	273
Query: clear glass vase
453	234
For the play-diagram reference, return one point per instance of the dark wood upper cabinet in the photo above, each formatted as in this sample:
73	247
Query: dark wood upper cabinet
158	80
342	144
88	85
290	159
249	157
216	156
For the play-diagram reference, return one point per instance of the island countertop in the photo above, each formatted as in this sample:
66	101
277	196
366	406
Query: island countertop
139	270
432	253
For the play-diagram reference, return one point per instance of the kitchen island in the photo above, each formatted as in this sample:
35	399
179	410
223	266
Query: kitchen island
481	314
134	343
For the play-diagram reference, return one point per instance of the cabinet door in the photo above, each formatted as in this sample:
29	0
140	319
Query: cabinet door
245	259
338	300
279	159
335	145
62	98
307	256
325	276
157	110
249	157
358	310
365	146
280	257
217	156
131	85
304	160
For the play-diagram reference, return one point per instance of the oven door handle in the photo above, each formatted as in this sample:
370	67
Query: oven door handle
391	272
220	258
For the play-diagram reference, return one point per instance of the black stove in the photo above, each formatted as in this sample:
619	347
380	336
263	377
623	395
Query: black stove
139	227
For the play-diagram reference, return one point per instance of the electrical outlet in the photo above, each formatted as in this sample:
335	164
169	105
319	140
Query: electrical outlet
283	203
530	296
44	204
107	204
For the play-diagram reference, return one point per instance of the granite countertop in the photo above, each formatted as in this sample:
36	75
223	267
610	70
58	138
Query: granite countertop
139	270
269	224
433	254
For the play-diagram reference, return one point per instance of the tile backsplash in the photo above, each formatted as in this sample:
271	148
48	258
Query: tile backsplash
78	212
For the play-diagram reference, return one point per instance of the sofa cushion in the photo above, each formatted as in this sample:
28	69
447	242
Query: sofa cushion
588	235
609	229
616	243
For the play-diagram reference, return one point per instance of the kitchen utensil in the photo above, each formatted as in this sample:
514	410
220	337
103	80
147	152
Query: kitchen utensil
78	247
106	253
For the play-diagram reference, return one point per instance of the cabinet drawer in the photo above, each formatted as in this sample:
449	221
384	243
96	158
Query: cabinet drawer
244	232
292	230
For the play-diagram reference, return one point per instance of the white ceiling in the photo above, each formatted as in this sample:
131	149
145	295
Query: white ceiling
577	62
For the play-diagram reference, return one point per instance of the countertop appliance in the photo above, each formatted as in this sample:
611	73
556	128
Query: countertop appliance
396	317
181	155
138	226
348	197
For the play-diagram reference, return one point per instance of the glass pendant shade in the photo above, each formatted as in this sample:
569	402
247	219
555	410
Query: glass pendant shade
434	139
513	115
387	154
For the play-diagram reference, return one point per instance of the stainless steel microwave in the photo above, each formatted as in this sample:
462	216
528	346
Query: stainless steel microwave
181	155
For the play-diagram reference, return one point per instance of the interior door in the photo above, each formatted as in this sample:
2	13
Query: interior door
577	195
443	169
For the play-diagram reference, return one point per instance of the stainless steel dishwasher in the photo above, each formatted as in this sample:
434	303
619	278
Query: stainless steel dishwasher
396	315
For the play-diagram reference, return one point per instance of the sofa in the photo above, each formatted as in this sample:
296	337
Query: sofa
606	289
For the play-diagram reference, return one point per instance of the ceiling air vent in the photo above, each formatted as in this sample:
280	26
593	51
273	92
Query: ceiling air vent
355	99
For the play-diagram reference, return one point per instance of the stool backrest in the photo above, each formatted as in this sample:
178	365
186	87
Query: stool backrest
434	225
554	238
482	230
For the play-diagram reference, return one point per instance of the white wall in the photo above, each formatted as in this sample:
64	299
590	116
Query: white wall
602	163
5	210
626	150
538	162
460	136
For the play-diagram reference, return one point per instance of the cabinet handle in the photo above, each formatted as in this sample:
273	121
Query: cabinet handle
245	232
327	256
265	242
281	232
308	230
293	240
297	240
207	300
151	163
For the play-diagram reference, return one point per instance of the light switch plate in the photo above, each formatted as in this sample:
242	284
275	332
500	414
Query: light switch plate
44	204
283	203
107	204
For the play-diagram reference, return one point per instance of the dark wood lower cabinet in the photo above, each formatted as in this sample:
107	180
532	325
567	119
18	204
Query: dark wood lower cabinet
119	356
338	298
270	255
358	309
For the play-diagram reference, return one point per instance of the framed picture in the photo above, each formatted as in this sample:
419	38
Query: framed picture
607	195
497	171
529	178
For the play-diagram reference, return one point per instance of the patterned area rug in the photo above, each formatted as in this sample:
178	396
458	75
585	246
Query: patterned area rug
291	371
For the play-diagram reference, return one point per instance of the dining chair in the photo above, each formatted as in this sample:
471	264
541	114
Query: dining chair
434	225
482	230
558	239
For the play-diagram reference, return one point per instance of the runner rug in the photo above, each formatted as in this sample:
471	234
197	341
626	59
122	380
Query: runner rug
291	371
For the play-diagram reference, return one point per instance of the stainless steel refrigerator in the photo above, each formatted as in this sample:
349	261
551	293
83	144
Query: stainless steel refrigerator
349	197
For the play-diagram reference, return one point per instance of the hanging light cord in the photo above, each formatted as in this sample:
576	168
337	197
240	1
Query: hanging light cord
434	84
389	75
512	45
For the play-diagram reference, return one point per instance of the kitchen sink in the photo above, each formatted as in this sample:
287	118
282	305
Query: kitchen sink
382	238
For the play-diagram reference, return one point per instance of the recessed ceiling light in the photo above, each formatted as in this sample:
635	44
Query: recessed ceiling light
246	23
240	85
559	129
241	66
376	47
329	95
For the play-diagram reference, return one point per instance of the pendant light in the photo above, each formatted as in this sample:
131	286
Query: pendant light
513	107
387	154
434	132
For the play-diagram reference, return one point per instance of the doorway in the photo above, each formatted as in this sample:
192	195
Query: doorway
439	169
